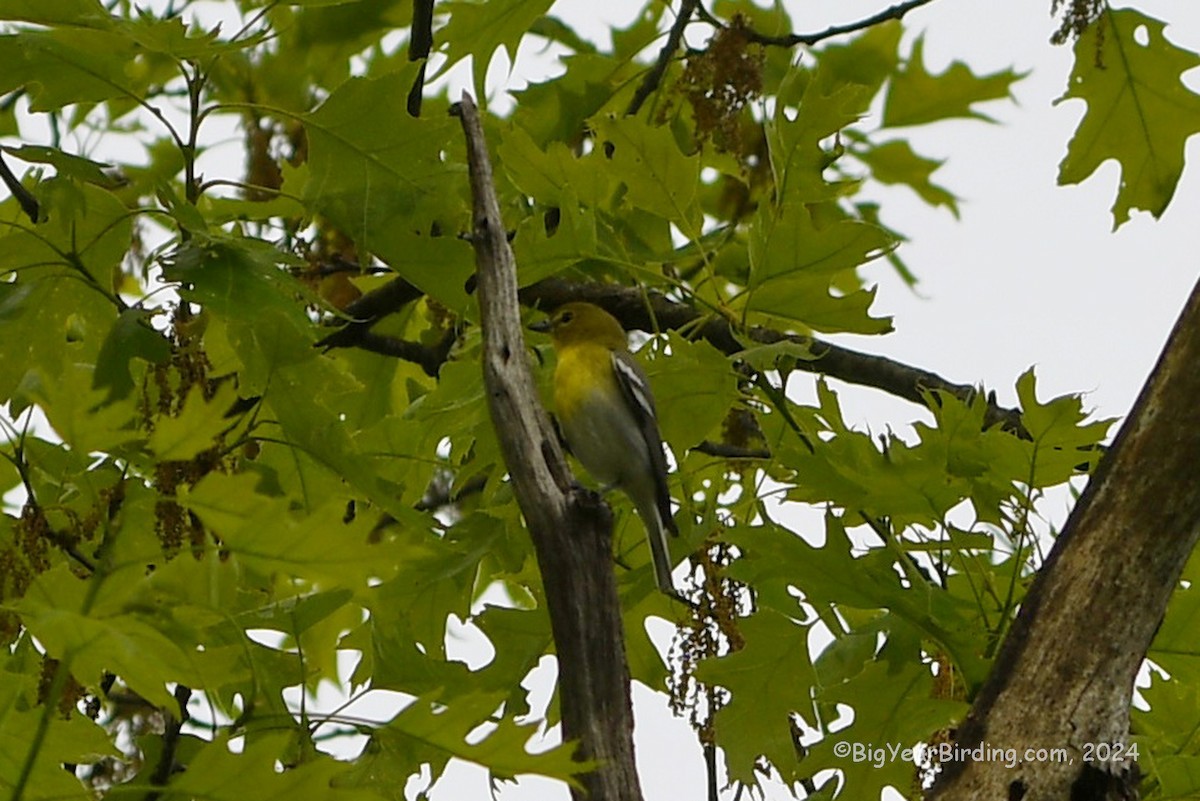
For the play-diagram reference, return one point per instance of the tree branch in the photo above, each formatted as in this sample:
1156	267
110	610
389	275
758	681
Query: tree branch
654	76
571	529
654	312
367	310
431	358
651	311
1064	675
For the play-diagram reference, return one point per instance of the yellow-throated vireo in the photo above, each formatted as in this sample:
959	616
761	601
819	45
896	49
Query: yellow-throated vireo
607	416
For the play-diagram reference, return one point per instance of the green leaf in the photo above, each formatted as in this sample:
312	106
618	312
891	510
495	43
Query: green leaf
987	463
770	679
1174	648
1177	776
775	559
917	97
895	163
82	13
803	245
385	179
658	177
771	357
182	41
79	413
795	257
894	702
75	739
557	110
868	59
796	136
1061	440
87	235
437	265
130	337
65	163
88	65
264	533
426	726
1139	112
555	176
456	409
477	29
556	30
694	388
541	253
56	611
521	638
197	428
218	774
1168	754
47	322
241	279
405	652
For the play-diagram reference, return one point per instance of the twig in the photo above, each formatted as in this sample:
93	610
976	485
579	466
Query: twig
166	760
710	770
420	42
654	76
28	202
792	39
438	497
724	450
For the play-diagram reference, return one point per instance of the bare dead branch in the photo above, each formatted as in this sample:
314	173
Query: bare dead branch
571	529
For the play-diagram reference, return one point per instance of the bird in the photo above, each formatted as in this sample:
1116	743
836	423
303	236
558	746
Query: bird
606	415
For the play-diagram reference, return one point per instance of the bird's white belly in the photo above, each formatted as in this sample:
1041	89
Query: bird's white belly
607	443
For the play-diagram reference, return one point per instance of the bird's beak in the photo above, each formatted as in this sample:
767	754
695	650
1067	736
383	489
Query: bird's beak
541	326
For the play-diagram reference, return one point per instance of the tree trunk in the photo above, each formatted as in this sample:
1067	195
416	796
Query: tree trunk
1064	676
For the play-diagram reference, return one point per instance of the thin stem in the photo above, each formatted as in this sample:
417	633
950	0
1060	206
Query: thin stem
254	20
204	187
195	84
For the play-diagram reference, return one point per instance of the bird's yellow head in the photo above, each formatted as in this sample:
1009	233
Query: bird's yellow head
577	323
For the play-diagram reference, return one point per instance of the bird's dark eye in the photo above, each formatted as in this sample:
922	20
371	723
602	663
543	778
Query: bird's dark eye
566	317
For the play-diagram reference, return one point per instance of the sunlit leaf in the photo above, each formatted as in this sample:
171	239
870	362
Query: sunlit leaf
917	96
1139	112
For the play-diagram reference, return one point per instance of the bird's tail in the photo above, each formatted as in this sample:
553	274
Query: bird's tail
656	533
